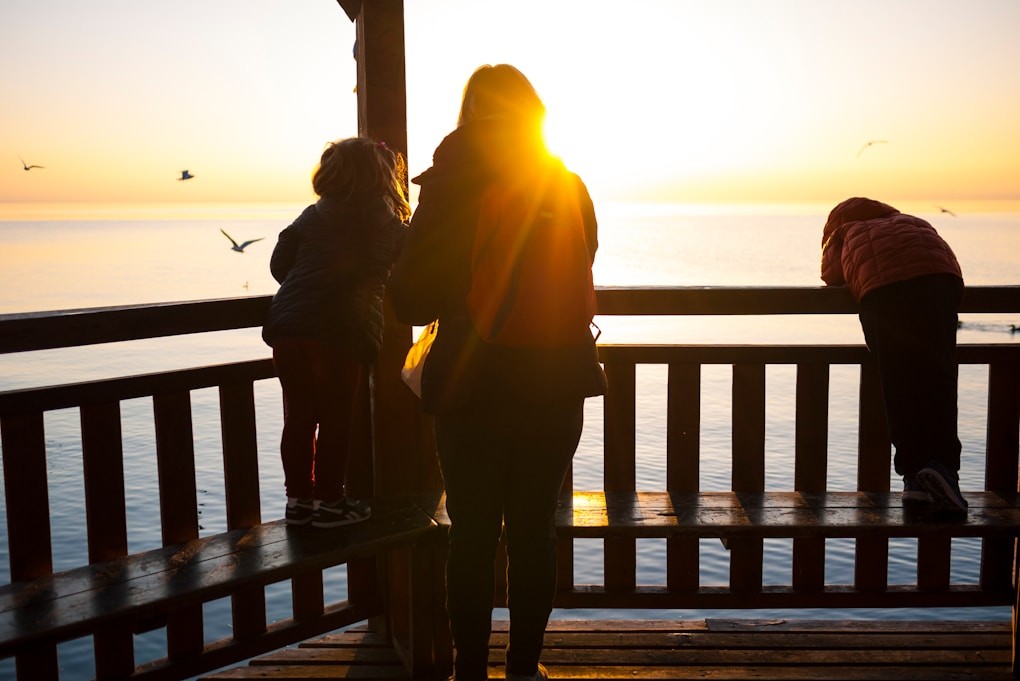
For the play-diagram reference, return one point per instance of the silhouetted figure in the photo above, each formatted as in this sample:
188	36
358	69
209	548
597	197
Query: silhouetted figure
326	321
908	283
507	418
185	175
28	167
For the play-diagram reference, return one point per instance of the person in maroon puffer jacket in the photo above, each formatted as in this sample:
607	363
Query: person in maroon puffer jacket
908	284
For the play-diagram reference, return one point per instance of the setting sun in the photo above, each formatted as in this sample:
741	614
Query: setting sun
667	101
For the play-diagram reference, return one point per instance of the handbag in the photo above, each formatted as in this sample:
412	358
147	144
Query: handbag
414	363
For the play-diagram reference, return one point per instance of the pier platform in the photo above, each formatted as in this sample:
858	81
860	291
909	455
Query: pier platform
689	649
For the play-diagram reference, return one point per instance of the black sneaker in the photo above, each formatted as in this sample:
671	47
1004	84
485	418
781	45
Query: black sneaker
299	511
944	487
913	493
340	512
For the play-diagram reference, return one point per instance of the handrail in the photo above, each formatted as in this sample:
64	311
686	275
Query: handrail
21	332
22	410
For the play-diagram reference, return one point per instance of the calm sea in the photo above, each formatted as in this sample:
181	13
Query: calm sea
77	256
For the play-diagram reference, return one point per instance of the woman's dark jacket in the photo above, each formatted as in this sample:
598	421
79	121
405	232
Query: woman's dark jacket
433	274
332	264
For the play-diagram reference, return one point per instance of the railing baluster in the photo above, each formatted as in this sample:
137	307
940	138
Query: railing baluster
178	505
620	473
683	460
933	563
811	467
871	565
241	485
28	522
1001	451
748	474
106	520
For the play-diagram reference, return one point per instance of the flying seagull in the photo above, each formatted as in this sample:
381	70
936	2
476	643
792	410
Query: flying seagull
185	175
868	144
946	210
240	248
29	167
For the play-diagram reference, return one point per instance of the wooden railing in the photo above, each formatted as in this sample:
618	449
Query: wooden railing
25	469
159	589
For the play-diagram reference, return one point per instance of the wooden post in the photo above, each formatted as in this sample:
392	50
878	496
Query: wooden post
402	465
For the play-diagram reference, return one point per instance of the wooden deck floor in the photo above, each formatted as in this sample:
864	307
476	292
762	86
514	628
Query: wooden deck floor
696	649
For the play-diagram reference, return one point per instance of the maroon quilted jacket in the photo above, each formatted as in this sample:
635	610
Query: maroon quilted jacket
867	244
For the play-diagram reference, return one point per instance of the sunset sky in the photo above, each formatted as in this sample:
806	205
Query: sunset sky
671	100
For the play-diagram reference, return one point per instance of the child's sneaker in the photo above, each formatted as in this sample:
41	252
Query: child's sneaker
299	511
340	512
913	493
944	487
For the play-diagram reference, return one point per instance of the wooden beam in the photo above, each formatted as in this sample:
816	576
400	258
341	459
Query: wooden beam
351	7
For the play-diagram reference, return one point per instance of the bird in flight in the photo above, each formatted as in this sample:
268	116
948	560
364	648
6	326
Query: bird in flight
185	175
240	247
946	210
868	144
29	167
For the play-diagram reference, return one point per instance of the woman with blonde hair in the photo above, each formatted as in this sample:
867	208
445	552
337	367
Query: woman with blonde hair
508	414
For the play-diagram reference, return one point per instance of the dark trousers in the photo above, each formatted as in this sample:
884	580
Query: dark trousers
910	328
319	391
503	470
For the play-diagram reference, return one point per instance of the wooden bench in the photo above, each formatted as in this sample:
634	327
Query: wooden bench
141	590
130	590
743	520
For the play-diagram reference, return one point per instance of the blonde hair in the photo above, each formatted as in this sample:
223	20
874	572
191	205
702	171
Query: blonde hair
360	168
500	90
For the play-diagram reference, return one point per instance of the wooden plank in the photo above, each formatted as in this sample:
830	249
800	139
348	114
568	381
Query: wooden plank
933	563
26	490
240	455
774	514
762	300
620	472
811	466
106	521
871	554
241	491
27	400
683	461
1002	442
620	428
683	427
713	649
873	446
648	597
21	332
175	457
71	328
811	440
778	354
178	506
748	469
28	525
149	584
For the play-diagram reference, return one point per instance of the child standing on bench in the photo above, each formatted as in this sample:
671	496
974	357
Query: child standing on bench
908	284
325	323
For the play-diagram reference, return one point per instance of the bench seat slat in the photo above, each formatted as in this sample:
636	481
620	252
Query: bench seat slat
74	603
768	514
776	514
